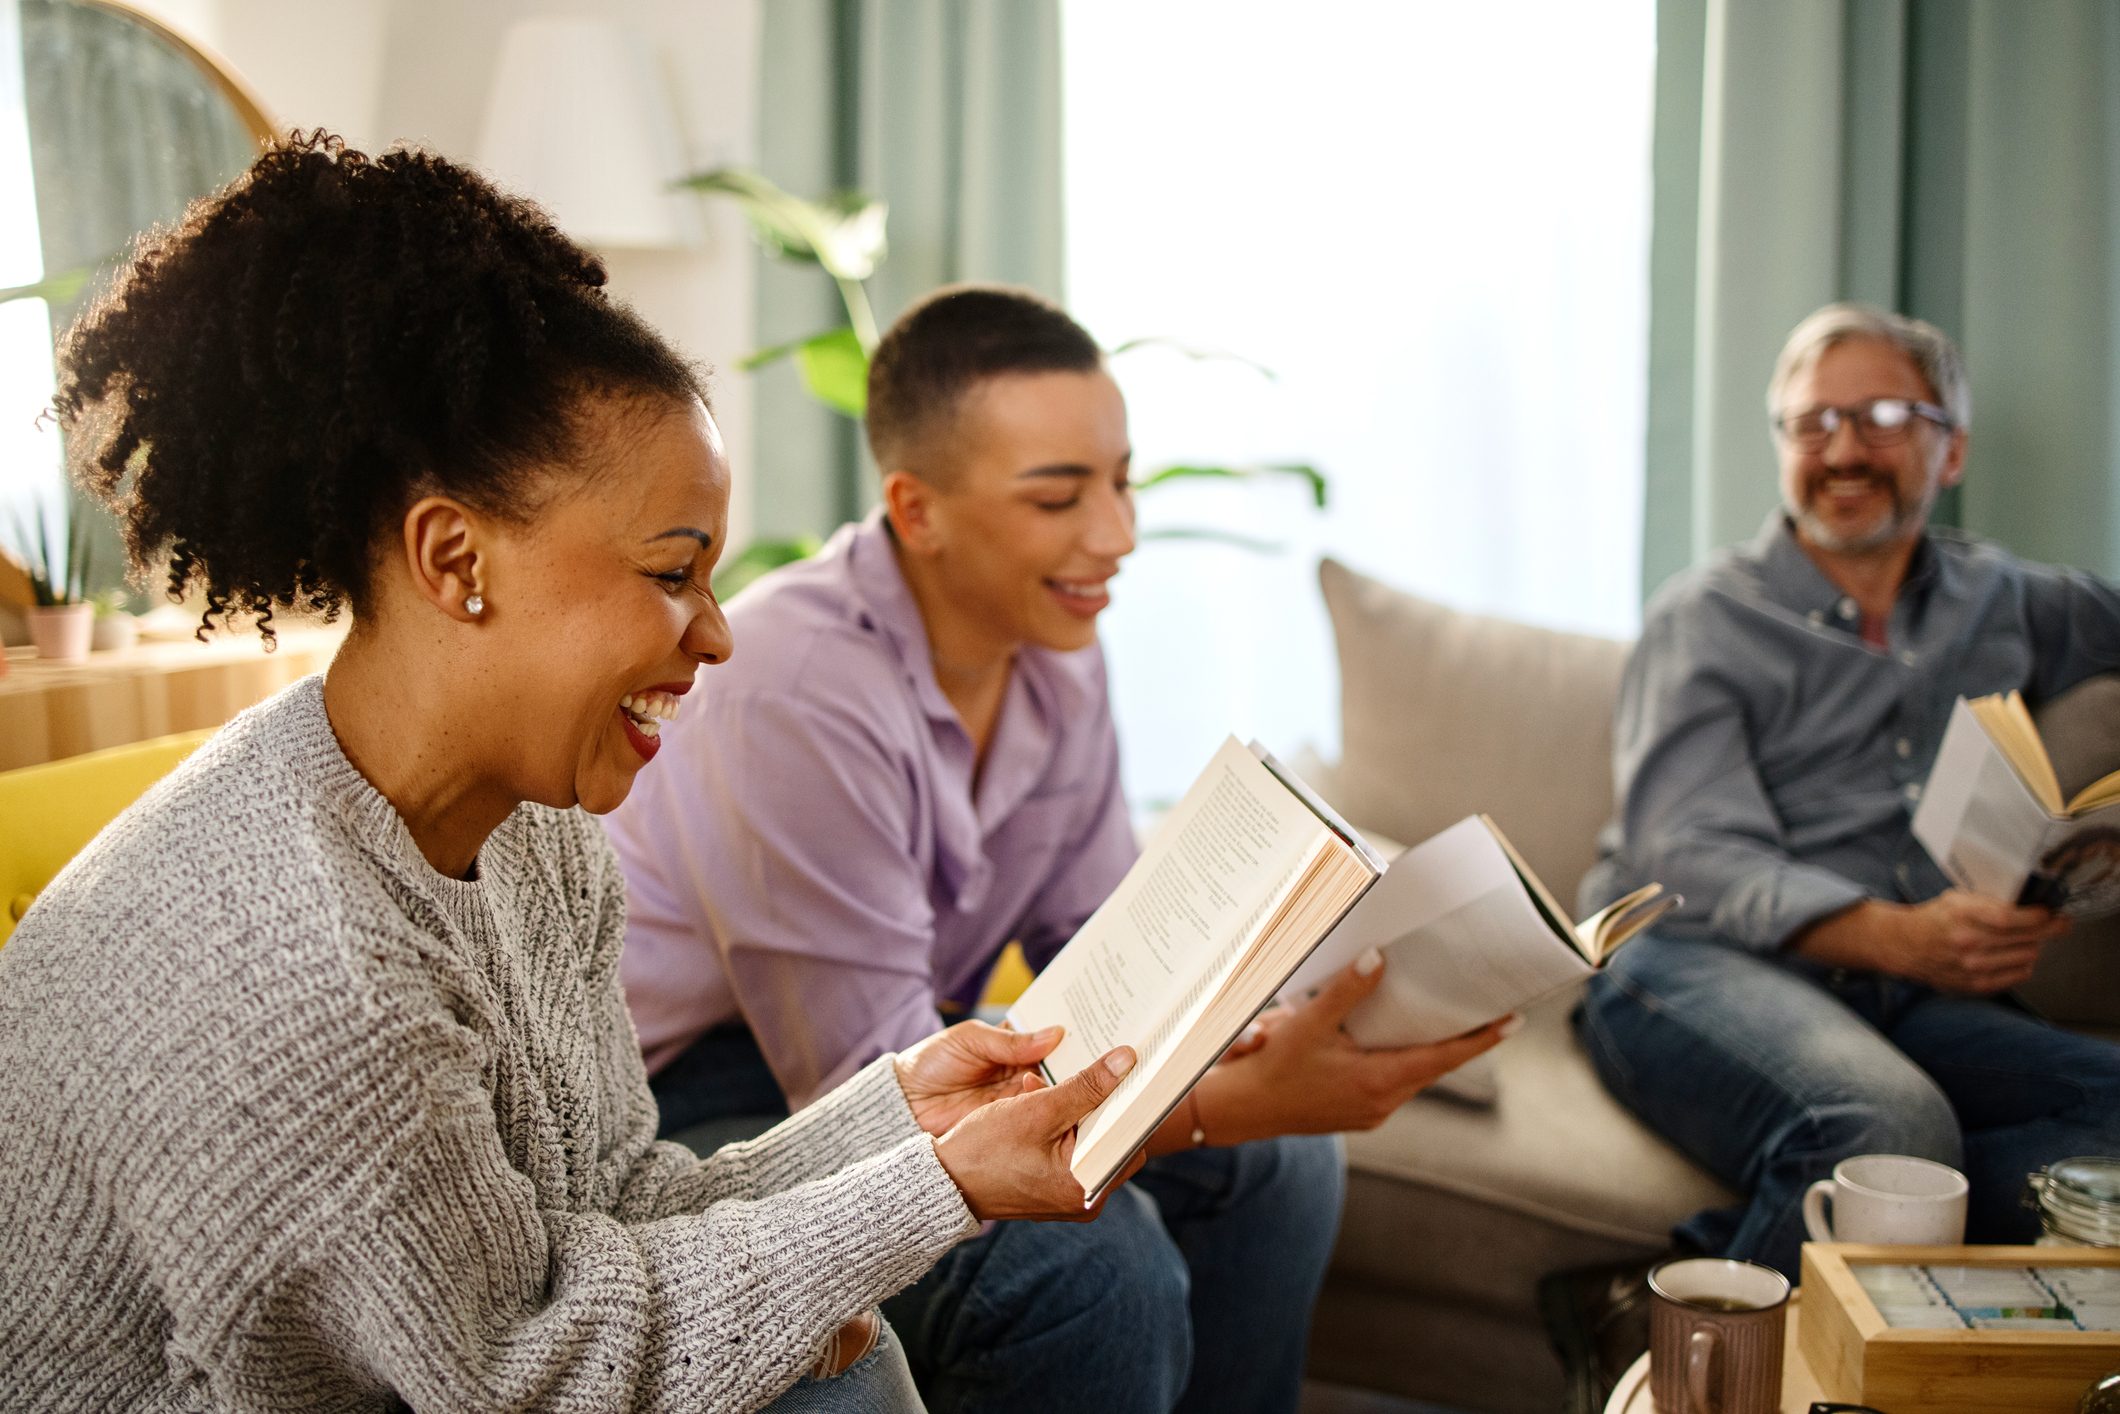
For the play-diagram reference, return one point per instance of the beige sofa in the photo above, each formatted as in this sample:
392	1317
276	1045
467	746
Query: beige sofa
1456	1208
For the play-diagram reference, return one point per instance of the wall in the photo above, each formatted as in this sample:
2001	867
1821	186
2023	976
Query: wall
380	71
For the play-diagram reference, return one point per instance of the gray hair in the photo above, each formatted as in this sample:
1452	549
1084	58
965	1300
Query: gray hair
1932	351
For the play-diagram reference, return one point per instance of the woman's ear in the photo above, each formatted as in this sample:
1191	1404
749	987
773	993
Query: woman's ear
443	556
909	502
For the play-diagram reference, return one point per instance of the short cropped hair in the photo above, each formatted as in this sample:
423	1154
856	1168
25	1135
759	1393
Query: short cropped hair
948	343
1933	353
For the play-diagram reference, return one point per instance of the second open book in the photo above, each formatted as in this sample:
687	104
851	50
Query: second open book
1250	875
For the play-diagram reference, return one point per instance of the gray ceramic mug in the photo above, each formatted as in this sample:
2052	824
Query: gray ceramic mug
1715	1336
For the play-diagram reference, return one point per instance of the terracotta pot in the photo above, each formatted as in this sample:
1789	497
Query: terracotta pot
61	633
114	632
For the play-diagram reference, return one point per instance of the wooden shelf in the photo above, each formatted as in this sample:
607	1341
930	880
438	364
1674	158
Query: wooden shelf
54	710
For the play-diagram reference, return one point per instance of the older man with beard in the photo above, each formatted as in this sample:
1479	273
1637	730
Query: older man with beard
1825	991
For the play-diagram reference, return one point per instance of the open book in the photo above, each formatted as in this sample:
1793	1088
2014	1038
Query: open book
1993	818
1468	934
1237	885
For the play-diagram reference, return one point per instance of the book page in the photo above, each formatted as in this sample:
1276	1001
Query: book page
1977	818
1462	940
1102	1141
1202	886
2008	723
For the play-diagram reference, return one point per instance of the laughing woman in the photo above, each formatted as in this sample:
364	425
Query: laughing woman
316	1085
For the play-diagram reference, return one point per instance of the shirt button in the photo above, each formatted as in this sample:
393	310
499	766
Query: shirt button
1904	747
1845	608
1817	616
1907	657
1913	790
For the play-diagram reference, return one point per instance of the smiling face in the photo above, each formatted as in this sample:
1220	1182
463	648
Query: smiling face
1851	499
598	609
1025	517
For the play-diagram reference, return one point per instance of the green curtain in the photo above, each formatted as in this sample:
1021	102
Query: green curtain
950	111
1955	159
124	130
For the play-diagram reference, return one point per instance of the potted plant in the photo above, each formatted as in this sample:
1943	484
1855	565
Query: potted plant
844	236
61	620
115	628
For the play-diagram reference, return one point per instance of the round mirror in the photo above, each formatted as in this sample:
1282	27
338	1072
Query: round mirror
110	122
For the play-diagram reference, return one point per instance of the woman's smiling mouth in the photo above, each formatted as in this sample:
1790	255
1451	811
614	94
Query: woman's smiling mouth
1084	598
643	713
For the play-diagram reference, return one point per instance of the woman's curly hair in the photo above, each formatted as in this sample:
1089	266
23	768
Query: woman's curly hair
273	380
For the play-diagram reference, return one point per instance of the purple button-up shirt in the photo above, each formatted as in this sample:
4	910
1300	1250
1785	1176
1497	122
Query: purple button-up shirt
808	850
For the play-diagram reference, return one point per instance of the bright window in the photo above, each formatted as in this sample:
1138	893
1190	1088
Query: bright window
1431	221
30	476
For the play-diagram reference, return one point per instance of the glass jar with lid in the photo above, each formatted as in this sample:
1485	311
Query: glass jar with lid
2078	1201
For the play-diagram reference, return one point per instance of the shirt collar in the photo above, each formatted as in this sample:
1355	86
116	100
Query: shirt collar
1793	579
1057	686
886	602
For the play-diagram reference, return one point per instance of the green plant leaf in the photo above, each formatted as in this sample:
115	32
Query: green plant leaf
1198	355
835	368
1215	537
760	557
1186	471
844	233
55	289
764	358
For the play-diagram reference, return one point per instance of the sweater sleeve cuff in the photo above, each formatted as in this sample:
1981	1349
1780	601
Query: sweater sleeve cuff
874	1090
1764	912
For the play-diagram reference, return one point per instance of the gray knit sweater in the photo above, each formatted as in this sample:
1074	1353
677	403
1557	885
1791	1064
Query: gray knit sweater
290	1121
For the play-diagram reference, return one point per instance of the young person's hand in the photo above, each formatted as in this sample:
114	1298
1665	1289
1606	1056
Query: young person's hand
954	1072
1307	1076
1955	942
1010	1158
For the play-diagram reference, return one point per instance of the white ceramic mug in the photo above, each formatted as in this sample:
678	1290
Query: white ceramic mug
1890	1198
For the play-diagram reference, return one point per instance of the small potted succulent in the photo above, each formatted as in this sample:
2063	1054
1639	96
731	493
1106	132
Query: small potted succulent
115	627
61	621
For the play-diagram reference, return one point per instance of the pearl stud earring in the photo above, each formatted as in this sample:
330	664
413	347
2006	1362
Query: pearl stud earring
475	605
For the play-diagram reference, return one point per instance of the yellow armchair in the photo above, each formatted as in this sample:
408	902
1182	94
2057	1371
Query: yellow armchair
48	812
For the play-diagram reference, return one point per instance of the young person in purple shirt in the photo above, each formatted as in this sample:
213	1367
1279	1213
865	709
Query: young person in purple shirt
915	765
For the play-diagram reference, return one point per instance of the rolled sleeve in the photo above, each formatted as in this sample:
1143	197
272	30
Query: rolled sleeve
1696	816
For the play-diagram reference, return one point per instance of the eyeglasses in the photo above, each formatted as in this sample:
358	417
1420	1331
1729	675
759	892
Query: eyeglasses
1880	422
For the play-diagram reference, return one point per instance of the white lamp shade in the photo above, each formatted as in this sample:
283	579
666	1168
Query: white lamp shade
579	121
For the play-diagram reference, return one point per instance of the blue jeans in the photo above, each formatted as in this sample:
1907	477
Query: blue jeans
877	1383
1769	1071
1192	1291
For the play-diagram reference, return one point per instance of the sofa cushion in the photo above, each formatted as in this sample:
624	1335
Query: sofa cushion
1445	713
1555	1146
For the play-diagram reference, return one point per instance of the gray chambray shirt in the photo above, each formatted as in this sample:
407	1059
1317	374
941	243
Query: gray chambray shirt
1767	760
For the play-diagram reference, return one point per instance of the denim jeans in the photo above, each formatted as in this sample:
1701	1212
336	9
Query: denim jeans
1769	1071
877	1383
1192	1289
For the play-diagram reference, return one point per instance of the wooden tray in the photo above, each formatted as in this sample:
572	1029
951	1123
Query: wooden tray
1857	1357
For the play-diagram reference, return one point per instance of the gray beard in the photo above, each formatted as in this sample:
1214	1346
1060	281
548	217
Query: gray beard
1895	527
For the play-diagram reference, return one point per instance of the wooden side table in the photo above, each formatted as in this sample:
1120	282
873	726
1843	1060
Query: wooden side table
54	710
1798	1385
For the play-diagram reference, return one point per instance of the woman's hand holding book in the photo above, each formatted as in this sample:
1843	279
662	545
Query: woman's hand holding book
1307	1076
1005	1137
